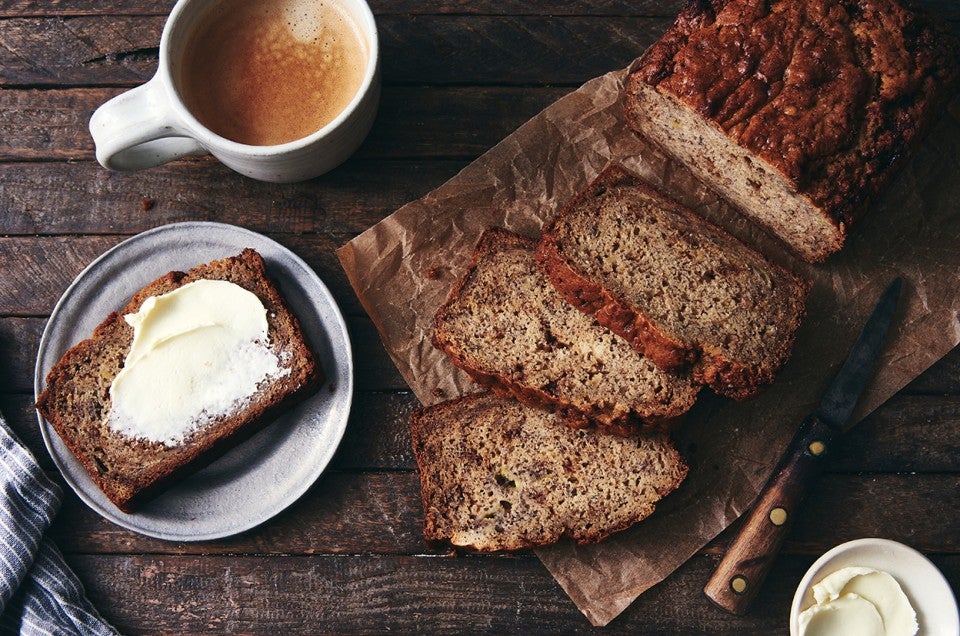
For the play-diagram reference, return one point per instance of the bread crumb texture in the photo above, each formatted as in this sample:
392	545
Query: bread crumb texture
498	475
680	289
510	329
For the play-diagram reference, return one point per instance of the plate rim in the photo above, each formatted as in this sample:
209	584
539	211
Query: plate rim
346	390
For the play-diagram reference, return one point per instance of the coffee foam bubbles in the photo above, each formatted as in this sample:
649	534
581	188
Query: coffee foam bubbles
303	19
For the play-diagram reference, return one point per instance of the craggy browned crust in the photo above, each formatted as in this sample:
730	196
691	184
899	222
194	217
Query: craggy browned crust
831	93
129	471
738	379
622	418
495	475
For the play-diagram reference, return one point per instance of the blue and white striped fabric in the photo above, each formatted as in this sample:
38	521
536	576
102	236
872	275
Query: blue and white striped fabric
39	594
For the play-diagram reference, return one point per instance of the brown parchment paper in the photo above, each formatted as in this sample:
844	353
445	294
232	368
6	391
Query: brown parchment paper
403	267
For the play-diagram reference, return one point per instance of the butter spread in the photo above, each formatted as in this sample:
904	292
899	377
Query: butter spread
198	352
859	601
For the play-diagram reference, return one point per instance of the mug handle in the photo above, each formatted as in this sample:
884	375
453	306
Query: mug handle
138	129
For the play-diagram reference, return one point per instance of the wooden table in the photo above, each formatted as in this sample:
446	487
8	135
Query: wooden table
349	557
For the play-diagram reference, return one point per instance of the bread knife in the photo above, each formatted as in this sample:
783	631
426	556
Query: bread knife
738	577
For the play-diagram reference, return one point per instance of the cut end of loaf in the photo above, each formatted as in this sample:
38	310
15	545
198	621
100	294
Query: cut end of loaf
757	189
497	475
797	112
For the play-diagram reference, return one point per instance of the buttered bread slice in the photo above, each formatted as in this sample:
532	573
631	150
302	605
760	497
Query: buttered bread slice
498	475
681	290
511	331
194	364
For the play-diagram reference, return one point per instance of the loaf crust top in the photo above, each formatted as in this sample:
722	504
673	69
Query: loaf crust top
829	92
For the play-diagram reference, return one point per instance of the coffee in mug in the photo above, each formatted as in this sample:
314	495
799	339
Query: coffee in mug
266	72
278	90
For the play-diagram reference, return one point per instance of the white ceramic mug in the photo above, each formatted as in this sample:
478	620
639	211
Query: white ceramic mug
150	125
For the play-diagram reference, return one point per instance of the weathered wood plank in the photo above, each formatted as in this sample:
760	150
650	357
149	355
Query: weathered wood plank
908	433
83	198
940	378
19	414
367	513
20	339
614	8
378	434
434	122
264	595
87	50
19	342
448	49
344	513
38	269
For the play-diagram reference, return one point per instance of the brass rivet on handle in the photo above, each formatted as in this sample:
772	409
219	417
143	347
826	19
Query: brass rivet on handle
738	584
817	448
778	516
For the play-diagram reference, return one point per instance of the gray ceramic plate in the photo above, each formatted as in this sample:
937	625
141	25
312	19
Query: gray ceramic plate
262	476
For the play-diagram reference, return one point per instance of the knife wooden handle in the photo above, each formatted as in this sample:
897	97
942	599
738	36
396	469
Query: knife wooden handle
738	577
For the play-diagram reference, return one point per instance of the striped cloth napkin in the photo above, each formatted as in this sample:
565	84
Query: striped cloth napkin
39	594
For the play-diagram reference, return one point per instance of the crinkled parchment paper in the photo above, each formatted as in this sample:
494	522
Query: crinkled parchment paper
403	267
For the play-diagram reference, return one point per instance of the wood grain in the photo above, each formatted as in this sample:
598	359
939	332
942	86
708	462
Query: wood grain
415	49
381	513
83	198
82	50
612	8
434	122
939	378
293	594
39	268
669	8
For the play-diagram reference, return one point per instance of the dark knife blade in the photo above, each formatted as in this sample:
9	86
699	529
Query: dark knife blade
738	577
842	395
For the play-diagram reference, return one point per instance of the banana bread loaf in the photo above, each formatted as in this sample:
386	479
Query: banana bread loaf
510	330
131	468
497	475
797	111
678	288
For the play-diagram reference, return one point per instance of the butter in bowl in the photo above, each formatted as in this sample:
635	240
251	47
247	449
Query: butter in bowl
873	586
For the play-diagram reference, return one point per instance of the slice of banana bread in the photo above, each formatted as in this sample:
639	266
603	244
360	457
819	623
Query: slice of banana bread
797	111
510	330
498	475
680	289
128	469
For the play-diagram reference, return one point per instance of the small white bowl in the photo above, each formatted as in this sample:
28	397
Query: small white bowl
922	582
